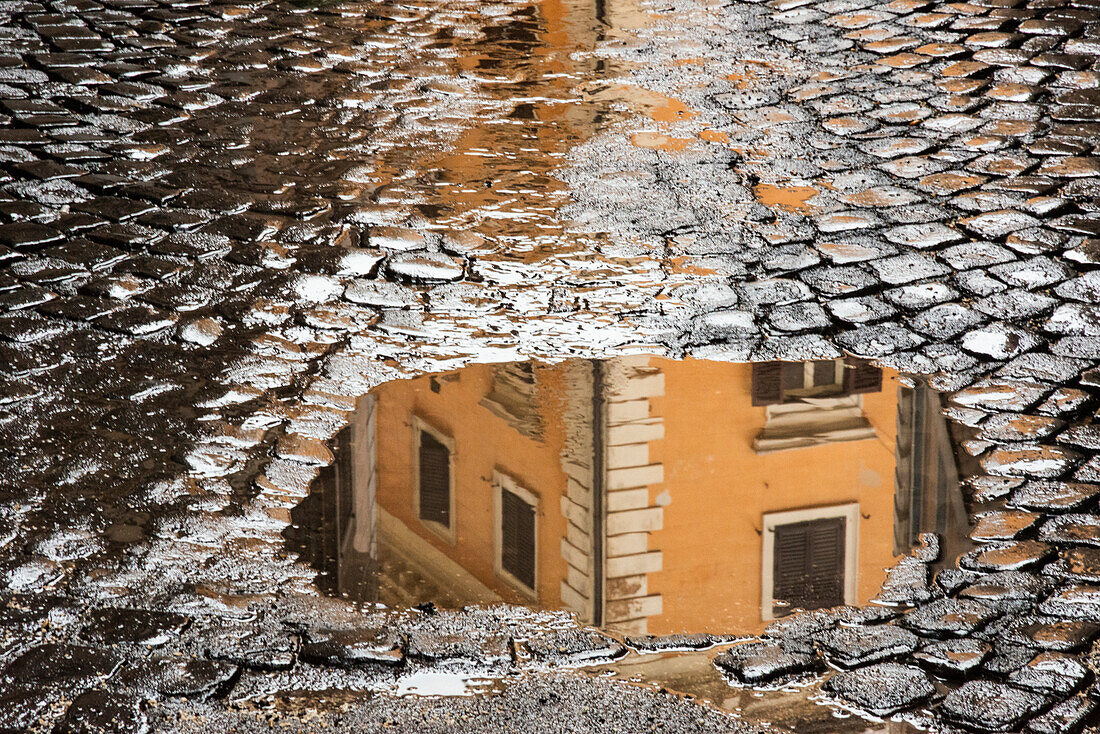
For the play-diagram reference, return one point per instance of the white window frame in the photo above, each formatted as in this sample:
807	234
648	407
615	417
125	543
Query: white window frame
502	481
848	511
421	426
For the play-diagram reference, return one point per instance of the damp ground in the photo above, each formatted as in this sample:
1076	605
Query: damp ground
843	251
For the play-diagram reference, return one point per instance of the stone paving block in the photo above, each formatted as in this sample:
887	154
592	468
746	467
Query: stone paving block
75	665
1013	427
1041	462
114	626
1054	496
754	663
1005	586
454	649
956	657
990	705
1048	633
1057	674
882	689
360	647
949	617
98	712
1003	524
573	647
256	648
849	647
1067	716
178	677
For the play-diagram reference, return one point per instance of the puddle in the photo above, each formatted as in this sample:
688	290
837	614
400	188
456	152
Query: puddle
792	199
647	496
798	707
445	684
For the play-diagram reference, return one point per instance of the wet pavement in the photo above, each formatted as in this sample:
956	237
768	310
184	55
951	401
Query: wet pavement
223	225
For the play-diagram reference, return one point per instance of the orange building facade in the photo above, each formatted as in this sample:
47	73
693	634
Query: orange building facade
645	494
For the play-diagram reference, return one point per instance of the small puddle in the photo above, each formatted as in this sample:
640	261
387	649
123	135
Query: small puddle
425	683
792	199
799	706
648	496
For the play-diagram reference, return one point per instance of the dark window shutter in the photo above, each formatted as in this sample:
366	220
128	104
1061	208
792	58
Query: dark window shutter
767	383
861	376
808	565
794	376
789	567
826	563
517	538
435	480
824	372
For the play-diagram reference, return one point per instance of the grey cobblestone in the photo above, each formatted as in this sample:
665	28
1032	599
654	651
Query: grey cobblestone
198	279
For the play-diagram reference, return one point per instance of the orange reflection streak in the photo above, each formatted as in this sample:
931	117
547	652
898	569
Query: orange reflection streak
670	110
793	199
496	179
659	141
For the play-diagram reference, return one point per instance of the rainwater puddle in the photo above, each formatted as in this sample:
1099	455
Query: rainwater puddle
648	496
799	706
446	684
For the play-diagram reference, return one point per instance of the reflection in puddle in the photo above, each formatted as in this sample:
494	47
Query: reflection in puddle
794	707
789	198
425	683
648	496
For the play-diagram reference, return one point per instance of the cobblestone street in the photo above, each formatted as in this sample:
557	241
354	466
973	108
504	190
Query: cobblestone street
223	225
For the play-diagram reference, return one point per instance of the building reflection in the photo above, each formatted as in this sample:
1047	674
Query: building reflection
647	495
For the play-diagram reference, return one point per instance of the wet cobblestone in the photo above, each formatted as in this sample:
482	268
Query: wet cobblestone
210	247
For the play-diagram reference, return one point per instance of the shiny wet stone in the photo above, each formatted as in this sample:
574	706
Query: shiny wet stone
1005	586
1014	427
114	626
1049	633
1068	715
572	647
457	649
882	689
1003	524
1072	529
75	665
1054	496
755	663
1079	601
990	706
1054	673
174	676
1007	556
956	657
949	617
22	707
858	646
99	712
261	649
350	648
1079	564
